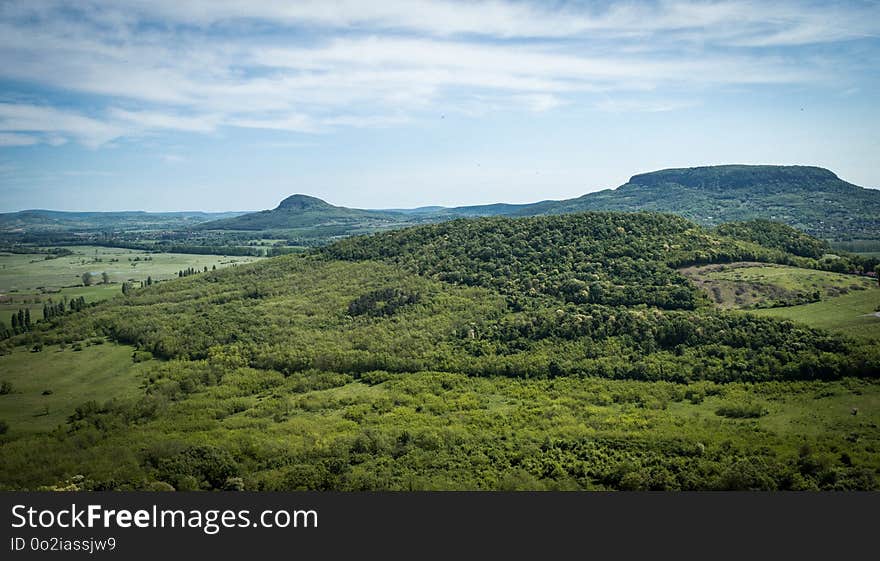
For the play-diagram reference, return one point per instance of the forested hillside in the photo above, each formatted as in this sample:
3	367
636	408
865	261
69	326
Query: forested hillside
357	367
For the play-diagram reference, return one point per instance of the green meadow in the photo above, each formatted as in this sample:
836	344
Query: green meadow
852	314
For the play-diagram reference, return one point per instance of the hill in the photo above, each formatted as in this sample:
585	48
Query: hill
811	199
303	211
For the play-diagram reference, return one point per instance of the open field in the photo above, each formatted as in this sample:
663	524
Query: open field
852	314
30	280
29	272
97	372
760	285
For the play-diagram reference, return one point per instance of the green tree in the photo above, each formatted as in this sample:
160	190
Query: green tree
87	278
105	278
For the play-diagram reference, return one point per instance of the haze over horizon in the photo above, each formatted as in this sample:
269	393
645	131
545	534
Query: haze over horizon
233	106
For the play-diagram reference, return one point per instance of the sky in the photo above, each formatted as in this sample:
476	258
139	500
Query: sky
222	105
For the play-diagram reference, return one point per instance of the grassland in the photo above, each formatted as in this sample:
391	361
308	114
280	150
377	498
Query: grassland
97	372
760	285
30	280
852	314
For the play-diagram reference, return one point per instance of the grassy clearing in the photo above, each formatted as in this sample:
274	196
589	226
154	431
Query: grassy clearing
851	314
97	372
757	285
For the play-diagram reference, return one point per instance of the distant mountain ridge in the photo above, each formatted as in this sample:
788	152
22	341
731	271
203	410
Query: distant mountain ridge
809	198
60	221
812	199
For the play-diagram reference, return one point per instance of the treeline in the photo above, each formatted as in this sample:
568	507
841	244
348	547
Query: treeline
231	250
189	271
21	321
52	310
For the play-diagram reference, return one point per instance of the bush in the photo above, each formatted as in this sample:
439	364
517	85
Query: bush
749	410
195	464
383	302
159	486
4	427
141	356
5	387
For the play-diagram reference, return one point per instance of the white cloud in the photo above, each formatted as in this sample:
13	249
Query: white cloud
723	21
616	105
200	65
15	139
153	120
48	124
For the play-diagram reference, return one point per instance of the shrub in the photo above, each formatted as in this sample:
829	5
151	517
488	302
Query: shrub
5	387
4	427
209	464
383	302
141	356
749	410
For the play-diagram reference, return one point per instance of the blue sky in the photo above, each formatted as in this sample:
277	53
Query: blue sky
235	104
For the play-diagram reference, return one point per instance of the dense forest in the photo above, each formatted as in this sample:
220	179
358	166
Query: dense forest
434	356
